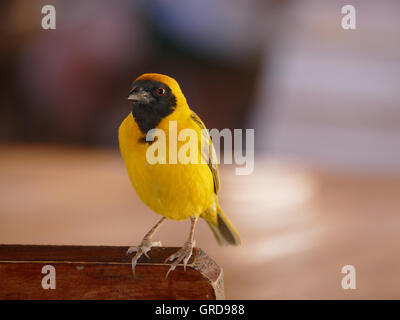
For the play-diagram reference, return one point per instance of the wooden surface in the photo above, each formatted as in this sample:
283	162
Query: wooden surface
104	272
299	226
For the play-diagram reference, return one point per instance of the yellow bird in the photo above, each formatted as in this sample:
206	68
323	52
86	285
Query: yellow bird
178	190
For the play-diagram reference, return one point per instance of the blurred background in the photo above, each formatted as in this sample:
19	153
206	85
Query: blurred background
324	102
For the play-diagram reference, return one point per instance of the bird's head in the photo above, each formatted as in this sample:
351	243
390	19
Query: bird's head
154	97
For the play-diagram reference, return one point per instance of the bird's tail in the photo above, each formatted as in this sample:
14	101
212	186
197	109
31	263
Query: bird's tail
224	231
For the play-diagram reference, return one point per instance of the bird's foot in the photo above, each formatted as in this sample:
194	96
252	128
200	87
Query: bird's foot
182	255
144	247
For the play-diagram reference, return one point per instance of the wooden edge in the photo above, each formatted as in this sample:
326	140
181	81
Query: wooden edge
200	261
211	271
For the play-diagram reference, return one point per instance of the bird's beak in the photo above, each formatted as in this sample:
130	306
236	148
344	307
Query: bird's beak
139	96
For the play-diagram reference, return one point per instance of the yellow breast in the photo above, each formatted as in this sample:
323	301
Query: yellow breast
176	191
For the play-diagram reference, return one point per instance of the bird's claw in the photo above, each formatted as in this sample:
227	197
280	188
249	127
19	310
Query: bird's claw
182	255
141	249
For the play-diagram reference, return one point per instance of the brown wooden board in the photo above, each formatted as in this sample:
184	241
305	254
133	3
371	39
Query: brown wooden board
104	272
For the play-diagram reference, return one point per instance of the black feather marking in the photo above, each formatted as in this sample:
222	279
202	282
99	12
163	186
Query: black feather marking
149	115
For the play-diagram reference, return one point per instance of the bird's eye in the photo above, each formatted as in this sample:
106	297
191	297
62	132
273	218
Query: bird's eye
160	91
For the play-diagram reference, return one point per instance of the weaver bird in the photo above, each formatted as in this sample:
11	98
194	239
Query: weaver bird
174	190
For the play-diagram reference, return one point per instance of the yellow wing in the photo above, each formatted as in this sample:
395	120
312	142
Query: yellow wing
222	228
208	152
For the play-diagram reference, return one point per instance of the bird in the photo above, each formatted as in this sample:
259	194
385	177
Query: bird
176	191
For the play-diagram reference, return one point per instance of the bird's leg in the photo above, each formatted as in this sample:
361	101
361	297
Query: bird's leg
145	245
183	254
